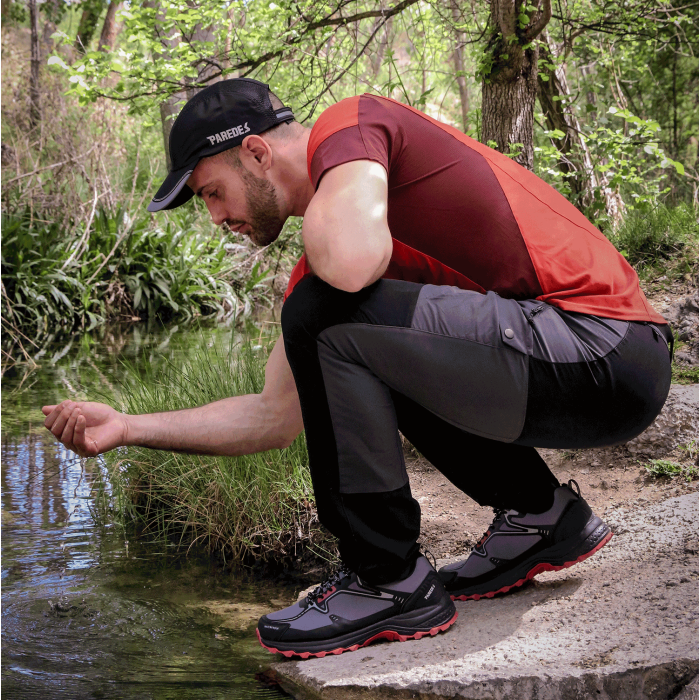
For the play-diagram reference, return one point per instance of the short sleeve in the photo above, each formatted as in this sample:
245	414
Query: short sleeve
343	133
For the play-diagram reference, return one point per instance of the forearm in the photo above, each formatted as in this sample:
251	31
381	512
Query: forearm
233	426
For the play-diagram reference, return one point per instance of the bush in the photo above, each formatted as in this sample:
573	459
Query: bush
116	269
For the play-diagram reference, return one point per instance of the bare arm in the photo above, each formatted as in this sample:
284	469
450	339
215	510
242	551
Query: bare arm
346	235
233	426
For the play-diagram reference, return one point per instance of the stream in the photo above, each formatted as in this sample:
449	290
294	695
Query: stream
87	613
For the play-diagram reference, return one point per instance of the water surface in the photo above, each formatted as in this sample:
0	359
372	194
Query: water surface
88	611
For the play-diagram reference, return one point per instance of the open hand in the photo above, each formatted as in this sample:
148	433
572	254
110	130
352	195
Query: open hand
86	427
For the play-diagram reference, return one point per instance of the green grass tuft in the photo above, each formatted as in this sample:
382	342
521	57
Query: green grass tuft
682	374
254	507
663	241
664	468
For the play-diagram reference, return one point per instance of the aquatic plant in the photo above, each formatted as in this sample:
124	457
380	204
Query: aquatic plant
257	507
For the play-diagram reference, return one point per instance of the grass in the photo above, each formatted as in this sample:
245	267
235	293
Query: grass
253	508
662	241
682	374
659	468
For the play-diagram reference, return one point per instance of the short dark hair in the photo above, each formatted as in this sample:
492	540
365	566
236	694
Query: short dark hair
281	131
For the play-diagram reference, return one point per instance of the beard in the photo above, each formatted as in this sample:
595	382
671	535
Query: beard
264	215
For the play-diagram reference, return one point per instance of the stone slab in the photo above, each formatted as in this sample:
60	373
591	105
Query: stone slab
621	625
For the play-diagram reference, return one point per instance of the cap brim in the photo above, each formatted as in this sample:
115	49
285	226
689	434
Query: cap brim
174	191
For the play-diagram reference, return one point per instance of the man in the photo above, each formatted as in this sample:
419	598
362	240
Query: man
446	293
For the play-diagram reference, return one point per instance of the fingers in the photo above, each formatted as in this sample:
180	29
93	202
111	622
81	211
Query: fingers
66	422
83	446
57	419
67	436
47	409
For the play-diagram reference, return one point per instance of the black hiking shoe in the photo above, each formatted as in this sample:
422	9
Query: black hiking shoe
518	546
345	613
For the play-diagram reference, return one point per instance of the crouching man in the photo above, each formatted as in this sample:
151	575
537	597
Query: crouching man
445	292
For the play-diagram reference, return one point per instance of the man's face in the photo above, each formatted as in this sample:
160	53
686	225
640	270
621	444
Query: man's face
234	196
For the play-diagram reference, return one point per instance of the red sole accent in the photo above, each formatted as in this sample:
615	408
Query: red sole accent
537	570
389	635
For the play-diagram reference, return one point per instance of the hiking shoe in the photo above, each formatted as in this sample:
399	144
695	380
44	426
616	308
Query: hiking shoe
518	546
344	613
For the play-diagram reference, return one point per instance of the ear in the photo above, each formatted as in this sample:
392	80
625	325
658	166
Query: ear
256	154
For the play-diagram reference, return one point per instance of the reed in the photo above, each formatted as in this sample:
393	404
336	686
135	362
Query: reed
252	508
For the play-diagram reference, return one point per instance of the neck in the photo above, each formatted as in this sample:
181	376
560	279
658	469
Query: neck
299	187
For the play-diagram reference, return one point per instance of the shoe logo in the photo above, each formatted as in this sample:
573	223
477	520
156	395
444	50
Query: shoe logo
427	595
270	627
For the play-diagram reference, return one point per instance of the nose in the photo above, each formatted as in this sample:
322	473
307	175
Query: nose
217	213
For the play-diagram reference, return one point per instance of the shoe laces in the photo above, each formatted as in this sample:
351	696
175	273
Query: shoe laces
498	513
334	579
578	488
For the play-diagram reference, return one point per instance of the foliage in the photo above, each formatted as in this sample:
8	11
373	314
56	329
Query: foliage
663	240
246	508
659	468
130	268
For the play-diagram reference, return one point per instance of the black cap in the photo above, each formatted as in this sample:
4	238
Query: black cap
214	120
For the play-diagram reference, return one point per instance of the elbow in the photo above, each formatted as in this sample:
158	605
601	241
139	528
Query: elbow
285	440
349	282
351	273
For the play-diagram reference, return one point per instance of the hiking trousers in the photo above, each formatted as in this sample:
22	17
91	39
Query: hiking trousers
474	381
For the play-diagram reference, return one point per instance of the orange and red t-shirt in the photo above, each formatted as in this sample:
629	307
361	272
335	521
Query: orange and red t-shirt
462	214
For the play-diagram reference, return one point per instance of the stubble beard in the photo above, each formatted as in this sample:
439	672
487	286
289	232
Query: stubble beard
265	219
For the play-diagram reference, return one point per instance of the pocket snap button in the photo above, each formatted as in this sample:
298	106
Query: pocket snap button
508	333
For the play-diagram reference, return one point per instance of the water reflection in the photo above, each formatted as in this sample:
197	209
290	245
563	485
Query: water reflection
85	613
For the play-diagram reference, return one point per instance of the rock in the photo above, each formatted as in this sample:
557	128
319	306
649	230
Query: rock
675	425
683	317
690	692
682	310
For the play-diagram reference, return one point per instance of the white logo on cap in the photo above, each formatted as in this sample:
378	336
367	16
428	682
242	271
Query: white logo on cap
229	133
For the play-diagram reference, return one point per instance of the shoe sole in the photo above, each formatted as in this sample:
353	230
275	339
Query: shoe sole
541	567
388	634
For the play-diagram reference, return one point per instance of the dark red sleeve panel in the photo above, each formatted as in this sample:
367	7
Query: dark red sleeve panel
336	138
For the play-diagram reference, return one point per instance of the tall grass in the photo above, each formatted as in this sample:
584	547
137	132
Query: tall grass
662	241
256	507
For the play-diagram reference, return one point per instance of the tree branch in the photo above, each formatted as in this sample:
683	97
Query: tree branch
543	18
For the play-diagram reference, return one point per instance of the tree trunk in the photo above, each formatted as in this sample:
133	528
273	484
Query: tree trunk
110	28
88	24
171	106
458	58
34	95
576	162
509	86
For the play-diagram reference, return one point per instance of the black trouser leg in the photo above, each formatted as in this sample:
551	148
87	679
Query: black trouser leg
493	473
377	530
